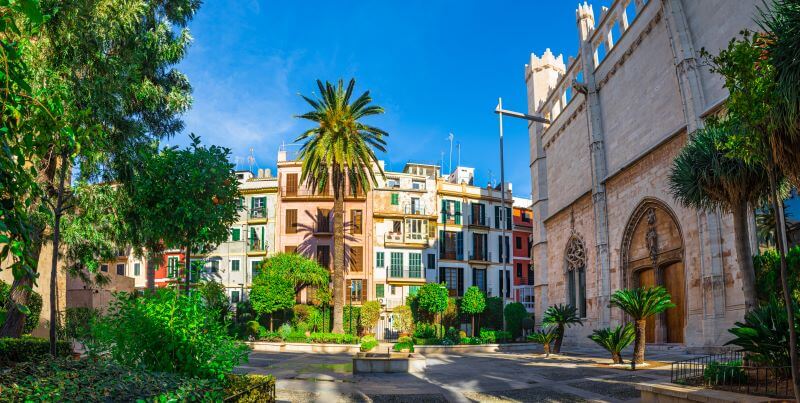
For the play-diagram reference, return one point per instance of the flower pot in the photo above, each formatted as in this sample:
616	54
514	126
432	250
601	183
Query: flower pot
405	350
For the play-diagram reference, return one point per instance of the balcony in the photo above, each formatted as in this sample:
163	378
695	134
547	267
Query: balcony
479	256
254	246
406	273
477	221
409	209
305	193
323	228
449	254
258	213
411	238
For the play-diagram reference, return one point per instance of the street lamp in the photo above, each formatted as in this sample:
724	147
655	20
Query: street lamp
533	118
352	287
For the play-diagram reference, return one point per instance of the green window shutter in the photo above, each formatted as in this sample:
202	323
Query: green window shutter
234	265
236	234
264	204
443	210
262	239
252	204
460	242
395	199
458	212
508	217
379	259
378	290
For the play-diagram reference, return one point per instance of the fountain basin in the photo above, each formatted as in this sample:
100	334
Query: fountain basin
393	362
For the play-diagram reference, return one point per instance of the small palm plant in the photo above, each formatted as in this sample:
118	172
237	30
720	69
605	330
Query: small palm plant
614	340
640	304
544	336
561	316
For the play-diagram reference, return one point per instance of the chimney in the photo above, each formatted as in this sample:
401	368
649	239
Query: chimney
282	156
260	173
267	173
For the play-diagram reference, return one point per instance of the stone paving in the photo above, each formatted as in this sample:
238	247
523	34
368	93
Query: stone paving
575	376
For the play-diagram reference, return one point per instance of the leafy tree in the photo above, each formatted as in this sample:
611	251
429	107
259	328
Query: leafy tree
215	299
514	313
339	151
765	225
403	320
614	340
433	298
473	303
640	304
561	316
493	314
301	271
370	315
768	277
271	292
704	176
196	212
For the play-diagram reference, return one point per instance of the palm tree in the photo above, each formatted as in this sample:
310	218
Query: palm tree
765	225
340	150
614	340
704	176
640	304
561	316
544	336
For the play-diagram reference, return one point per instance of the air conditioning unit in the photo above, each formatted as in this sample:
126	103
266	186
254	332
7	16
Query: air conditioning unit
382	301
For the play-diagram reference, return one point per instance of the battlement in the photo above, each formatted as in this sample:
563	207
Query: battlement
548	60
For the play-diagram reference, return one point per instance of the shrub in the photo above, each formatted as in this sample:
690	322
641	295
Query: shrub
285	331
250	388
404	343
79	322
453	335
34	305
471	340
544	336
300	313
768	276
315	319
562	316
266	335
488	336
492	316
425	331
368	343
515	312
614	340
370	315
418	314
351	327
764	335
159	332
450	317
216	299
323	338
725	373
254	329
27	348
427	342
403	321
528	323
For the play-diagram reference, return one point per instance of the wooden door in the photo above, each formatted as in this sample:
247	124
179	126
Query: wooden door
674	283
647	278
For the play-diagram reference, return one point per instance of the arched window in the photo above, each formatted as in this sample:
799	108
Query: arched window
575	257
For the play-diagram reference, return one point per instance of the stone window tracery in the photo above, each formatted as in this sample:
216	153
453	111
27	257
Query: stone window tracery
575	257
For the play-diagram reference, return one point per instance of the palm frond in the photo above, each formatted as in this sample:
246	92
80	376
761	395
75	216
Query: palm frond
642	303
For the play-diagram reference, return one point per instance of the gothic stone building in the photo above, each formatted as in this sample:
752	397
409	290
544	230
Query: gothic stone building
620	111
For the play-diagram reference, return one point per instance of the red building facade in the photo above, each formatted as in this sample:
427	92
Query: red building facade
523	268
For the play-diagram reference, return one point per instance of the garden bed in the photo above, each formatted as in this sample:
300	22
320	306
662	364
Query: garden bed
279	346
393	362
476	348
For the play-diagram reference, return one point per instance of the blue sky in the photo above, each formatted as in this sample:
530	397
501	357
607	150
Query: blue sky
435	66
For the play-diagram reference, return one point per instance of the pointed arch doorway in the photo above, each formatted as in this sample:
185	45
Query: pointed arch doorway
652	254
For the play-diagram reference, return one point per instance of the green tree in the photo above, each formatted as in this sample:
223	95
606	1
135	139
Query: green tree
614	340
704	176
514	313
301	271
271	292
403	320
199	206
338	153
370	314
215	299
433	298
640	304
473	303
561	316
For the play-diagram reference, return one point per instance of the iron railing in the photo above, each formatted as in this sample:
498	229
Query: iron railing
732	371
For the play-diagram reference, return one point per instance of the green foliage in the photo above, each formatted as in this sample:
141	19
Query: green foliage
250	388
271	292
300	313
324	338
79	323
544	336
474	301
528	323
404	343
403	320
764	334
368	343
285	331
642	303
515	312
489	336
492	316
614	340
34	307
215	299
725	373
299	270
418	314
453	335
768	274
433	298
253	329
351	326
27	348
425	331
561	316
167	331
370	315
450	317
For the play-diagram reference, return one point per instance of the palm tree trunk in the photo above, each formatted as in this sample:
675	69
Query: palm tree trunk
745	255
338	261
616	357
559	339
546	347
638	341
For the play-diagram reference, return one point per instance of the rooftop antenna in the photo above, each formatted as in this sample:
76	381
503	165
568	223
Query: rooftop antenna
450	165
251	159
442	167
458	145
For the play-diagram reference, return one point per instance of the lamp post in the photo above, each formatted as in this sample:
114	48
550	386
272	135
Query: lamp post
500	112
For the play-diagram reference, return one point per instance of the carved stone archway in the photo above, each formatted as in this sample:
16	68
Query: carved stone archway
652	253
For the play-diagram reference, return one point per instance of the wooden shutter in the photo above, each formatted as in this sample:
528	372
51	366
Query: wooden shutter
497	217
357	258
356	221
508	283
431	229
364	291
443	211
291	184
508	249
349	291
442	242
500	248
500	282
441	275
291	221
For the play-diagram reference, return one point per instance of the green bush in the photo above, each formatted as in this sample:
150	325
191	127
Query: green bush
300	313
167	331
250	388
764	335
34	305
404	343
492	316
322	338
614	340
425	331
368	343
351	327
515	312
254	329
27	348
768	276
403	320
453	335
471	340
431	341
488	336
79	322
725	373
370	315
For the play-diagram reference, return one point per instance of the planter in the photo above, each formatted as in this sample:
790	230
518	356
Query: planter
375	363
303	347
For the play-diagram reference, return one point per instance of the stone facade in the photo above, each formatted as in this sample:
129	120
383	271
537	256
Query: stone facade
620	112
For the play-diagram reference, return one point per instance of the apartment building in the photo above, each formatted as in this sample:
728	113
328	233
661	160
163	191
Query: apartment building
523	269
474	235
304	223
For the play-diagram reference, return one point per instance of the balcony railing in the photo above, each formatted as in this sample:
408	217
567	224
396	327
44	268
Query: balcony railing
482	256
410	237
476	220
415	210
260	212
323	227
254	245
406	272
305	193
449	254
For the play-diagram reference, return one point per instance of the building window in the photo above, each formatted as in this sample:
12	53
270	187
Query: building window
451	212
518	242
234	296
258	207
530	275
356	258
575	257
356	218
291	221
479	246
324	256
431	261
415	228
356	290
396	270
413	290
526	217
137	269
213	266
415	206
121	269
235	265
236	234
393	289
451	278
519	269
379	259
378	290
172	267
323	220
478	216
395	199
104	268
418	185
255	268
479	279
451	245
392	183
415	265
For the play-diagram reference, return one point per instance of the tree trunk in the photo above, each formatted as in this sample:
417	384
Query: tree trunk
338	261
56	244
21	292
151	271
780	241
546	347
616	357
473	325
638	341
744	254
559	339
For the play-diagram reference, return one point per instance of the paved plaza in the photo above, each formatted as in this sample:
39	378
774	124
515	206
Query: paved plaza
576	376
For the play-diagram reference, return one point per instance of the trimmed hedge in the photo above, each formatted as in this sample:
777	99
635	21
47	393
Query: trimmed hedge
368	343
322	338
27	348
